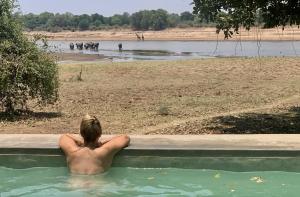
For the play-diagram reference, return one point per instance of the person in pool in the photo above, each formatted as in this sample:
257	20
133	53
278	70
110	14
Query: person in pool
88	155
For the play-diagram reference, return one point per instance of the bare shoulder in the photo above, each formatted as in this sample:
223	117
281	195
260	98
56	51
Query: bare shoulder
114	145
68	144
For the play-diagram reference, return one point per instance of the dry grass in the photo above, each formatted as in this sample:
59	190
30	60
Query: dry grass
128	97
205	33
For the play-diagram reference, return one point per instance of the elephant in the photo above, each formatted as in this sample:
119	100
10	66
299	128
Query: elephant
79	46
87	46
120	46
91	46
96	46
72	46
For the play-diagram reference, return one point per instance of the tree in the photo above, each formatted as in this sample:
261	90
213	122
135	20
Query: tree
97	17
231	15
173	20
125	18
26	72
146	20
116	20
186	16
159	19
84	24
136	19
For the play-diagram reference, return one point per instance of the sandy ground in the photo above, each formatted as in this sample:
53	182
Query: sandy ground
77	57
221	95
290	33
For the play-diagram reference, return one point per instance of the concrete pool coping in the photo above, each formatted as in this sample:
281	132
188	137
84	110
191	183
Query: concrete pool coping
219	152
266	142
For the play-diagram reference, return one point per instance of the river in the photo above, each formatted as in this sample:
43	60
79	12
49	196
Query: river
175	50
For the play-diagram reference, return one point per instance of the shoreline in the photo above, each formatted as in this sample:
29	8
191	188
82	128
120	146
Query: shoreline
174	34
78	57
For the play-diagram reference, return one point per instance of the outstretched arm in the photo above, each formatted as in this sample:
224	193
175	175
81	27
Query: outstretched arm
115	144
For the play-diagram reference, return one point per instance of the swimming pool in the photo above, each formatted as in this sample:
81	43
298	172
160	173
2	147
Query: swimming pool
34	172
56	181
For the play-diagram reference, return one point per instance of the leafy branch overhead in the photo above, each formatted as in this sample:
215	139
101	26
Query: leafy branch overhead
231	15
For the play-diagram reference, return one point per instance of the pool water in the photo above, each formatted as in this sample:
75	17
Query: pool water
124	181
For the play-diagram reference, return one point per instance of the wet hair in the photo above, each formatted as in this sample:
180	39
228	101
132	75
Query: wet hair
90	129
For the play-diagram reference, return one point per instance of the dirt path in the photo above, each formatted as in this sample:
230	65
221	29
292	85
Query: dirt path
149	130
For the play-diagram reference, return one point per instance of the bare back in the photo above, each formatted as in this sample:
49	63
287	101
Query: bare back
83	160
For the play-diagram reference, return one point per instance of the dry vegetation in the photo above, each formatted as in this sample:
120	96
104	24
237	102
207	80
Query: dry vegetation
205	33
222	95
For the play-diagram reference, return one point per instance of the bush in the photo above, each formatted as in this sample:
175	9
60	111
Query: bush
26	71
163	111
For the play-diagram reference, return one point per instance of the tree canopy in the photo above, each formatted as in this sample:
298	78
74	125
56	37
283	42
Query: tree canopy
26	71
142	20
231	15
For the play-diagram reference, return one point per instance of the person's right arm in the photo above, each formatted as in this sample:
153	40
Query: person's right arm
68	144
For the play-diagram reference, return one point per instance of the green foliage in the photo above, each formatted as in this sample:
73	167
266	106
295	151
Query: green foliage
142	20
26	72
116	20
173	20
150	20
186	16
84	24
231	15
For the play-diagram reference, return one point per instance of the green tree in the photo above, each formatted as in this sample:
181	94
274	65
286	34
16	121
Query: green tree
173	20
30	21
231	15
98	23
116	20
97	17
26	71
146	21
136	19
45	17
159	19
125	18
84	24
186	16
154	19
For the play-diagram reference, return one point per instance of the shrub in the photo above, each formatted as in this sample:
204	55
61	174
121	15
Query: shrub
26	71
163	111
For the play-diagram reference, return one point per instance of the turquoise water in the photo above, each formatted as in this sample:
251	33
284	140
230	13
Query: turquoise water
56	181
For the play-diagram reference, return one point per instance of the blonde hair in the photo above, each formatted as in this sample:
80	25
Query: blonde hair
90	129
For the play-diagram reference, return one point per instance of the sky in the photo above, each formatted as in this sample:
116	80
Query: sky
103	7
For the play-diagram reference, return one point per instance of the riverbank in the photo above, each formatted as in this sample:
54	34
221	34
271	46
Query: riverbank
189	34
78	57
205	96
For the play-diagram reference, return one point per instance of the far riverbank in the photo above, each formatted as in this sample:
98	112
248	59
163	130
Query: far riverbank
176	34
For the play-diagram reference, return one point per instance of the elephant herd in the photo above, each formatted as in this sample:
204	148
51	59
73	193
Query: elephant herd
90	46
87	46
